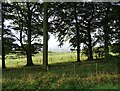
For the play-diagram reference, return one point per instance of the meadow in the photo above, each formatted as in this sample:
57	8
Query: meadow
63	73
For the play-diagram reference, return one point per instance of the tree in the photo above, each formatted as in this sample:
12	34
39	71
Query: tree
77	33
8	44
88	14
27	22
110	25
3	53
115	28
65	24
106	29
76	22
2	35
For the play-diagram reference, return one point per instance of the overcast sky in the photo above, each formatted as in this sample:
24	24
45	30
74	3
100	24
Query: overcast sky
52	43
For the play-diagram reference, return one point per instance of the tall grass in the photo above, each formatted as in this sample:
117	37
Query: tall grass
59	77
64	73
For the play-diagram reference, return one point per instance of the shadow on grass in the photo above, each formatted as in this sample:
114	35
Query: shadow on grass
68	66
72	75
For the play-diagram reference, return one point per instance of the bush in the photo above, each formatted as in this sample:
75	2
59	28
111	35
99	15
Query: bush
115	48
99	52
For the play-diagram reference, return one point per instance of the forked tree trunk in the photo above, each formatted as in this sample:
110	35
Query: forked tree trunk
29	53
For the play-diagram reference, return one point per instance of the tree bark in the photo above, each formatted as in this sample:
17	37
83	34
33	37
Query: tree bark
29	55
45	37
77	35
106	38
106	32
3	50
90	56
29	59
90	52
118	67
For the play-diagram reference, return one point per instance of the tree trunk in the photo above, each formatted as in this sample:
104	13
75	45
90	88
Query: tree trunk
29	59
45	38
118	67
90	56
29	53
77	34
106	38
90	52
106	32
78	54
3	52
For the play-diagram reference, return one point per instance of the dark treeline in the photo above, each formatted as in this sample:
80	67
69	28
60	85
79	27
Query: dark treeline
88	23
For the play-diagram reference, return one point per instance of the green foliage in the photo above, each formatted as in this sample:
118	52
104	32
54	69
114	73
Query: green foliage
9	46
27	24
8	42
35	48
115	48
98	52
85	51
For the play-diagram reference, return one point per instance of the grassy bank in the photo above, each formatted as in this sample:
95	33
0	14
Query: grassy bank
63	74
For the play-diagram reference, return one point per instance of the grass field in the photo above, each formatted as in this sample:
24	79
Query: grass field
63	73
14	60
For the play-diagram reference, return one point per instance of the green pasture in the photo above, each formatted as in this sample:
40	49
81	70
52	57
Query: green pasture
14	60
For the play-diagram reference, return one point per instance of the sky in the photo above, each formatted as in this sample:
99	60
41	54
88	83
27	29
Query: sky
52	43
